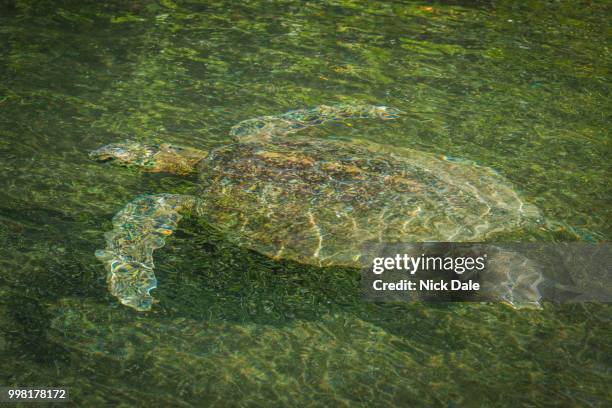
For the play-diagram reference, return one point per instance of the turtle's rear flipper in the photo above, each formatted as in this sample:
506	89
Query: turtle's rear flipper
293	121
140	228
513	279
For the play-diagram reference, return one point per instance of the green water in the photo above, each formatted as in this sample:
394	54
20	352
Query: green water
521	87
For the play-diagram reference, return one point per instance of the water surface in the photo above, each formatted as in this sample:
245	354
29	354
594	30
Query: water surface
521	87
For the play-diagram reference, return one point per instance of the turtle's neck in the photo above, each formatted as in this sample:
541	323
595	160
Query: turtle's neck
175	159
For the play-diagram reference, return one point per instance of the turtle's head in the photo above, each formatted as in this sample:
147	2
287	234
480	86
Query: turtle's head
154	158
128	153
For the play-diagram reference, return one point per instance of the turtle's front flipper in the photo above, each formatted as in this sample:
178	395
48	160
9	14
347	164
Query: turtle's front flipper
140	228
280	125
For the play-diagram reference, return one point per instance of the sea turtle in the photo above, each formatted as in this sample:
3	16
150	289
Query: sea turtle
311	200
